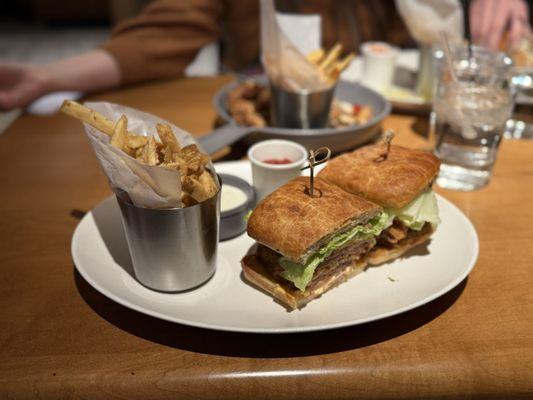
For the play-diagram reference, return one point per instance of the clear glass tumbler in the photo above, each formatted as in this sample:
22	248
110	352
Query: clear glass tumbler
469	116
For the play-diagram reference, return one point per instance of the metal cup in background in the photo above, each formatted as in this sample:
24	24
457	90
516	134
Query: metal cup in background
172	249
300	110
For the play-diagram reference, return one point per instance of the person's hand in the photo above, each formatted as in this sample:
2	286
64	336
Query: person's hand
20	84
489	19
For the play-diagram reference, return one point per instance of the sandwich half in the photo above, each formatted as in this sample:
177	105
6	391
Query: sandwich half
401	184
308	245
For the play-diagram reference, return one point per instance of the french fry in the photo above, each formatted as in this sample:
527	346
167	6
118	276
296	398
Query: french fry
187	199
118	136
197	182
148	153
331	57
342	64
335	70
206	180
98	121
167	155
316	56
194	188
93	118
329	65
194	159
135	141
167	137
180	166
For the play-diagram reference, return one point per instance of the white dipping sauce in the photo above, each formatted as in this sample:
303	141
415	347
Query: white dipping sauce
231	197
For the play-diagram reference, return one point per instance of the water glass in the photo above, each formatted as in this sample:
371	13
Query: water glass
469	115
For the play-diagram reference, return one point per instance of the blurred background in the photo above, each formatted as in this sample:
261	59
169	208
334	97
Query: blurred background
42	31
203	38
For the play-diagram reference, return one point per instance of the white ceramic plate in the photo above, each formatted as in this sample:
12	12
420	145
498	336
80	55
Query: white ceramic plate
227	303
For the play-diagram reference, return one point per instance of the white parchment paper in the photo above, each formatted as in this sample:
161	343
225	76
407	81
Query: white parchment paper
285	65
147	186
425	19
303	30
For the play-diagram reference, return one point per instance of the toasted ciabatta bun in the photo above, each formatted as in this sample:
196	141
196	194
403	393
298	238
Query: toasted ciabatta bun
296	225
256	273
380	254
393	182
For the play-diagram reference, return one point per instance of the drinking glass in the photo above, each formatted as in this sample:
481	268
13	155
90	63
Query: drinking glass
469	115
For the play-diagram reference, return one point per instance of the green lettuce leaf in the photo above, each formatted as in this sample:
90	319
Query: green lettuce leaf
301	274
421	210
247	216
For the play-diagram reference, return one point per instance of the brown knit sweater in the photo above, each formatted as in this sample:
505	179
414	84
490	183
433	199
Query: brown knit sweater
166	37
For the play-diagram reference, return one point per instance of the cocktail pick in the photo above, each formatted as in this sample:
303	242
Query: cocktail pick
387	139
316	157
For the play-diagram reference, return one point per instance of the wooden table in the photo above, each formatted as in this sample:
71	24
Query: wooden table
62	339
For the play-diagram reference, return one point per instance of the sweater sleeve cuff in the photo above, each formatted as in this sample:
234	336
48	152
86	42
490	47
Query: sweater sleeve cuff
132	63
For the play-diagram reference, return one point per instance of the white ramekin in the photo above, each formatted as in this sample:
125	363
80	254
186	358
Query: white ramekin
268	177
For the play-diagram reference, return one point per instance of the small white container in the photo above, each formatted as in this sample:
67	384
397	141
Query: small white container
237	199
268	177
379	63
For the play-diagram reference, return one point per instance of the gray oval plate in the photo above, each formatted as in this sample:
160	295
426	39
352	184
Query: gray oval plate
337	139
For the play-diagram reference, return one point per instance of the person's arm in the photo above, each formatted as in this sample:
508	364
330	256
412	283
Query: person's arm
158	44
20	84
489	19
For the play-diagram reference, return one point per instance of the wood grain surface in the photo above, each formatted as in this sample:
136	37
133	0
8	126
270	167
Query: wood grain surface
59	338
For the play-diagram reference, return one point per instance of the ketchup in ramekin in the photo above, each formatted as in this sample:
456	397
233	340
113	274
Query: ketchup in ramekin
275	162
278	161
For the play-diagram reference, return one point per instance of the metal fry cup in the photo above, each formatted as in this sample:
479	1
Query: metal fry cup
172	249
300	110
